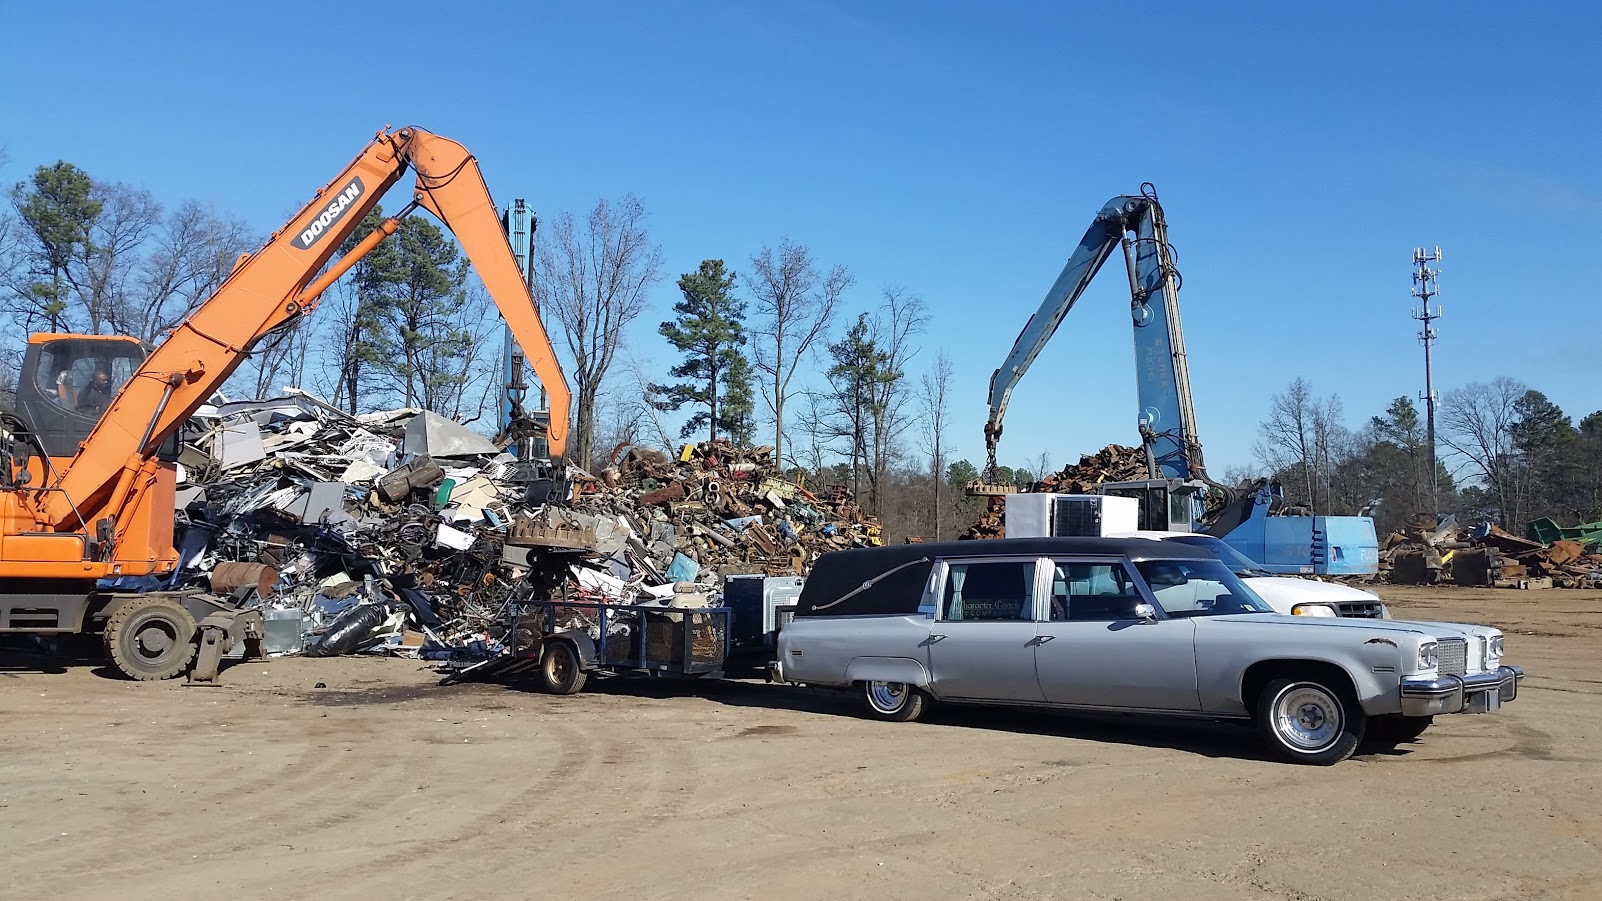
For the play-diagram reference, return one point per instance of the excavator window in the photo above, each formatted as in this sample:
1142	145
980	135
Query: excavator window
70	381
83	375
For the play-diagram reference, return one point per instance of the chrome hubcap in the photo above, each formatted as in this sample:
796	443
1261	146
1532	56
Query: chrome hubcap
887	697
1307	718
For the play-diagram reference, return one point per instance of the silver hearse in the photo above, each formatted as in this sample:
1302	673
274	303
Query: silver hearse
1125	625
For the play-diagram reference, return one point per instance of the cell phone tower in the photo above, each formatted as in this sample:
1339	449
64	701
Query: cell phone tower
1424	288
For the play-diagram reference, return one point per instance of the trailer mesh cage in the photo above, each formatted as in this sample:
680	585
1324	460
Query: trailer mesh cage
693	641
661	642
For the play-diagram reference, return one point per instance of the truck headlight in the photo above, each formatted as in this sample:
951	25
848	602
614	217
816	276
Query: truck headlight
1313	610
1427	658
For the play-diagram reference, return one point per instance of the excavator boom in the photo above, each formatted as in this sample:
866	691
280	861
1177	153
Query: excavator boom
1176	475
272	288
1167	418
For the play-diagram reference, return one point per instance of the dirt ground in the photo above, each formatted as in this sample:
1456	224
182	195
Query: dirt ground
383	784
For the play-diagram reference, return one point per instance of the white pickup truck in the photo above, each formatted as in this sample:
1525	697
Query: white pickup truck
1286	594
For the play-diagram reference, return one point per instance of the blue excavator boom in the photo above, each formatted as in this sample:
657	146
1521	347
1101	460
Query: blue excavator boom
1172	496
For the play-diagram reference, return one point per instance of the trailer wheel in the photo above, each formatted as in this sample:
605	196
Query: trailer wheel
151	639
560	669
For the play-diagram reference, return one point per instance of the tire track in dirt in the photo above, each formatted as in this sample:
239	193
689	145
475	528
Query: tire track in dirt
1245	874
796	860
358	780
115	842
577	763
1524	741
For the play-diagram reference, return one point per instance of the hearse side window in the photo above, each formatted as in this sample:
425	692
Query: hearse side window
991	591
1092	592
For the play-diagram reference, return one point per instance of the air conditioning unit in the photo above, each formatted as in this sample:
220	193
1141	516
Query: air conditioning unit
1070	515
756	602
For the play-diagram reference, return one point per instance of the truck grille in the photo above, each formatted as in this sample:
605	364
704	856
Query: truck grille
1453	654
1361	609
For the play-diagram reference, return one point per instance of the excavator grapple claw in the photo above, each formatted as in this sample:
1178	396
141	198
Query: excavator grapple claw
981	488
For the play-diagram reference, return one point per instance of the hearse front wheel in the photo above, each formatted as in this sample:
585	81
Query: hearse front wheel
897	702
1312	720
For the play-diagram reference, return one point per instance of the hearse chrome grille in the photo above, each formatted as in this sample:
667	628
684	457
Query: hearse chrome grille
1453	653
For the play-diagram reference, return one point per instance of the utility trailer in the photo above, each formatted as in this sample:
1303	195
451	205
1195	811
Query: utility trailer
552	642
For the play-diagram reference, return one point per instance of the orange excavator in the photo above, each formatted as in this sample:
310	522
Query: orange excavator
89	460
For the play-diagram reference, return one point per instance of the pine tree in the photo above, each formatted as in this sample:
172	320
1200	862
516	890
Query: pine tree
708	331
57	208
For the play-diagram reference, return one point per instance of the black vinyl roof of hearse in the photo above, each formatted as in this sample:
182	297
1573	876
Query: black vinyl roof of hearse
903	569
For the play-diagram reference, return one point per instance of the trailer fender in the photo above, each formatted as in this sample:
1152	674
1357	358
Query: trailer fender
581	642
887	669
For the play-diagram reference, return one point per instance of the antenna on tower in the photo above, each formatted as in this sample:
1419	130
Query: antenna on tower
1424	288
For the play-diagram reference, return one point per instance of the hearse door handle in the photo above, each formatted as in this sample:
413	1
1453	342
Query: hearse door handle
1041	639
935	638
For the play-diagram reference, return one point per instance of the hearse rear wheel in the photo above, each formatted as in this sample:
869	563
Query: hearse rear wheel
897	702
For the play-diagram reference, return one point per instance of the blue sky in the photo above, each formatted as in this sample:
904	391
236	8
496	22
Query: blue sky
960	150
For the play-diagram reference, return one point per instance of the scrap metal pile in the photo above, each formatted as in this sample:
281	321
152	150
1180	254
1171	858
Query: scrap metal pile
1431	551
404	531
1113	463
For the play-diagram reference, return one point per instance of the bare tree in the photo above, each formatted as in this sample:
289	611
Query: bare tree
272	357
1042	465
468	399
1304	436
194	251
346	313
621	420
1477	423
902	317
10	266
816	423
797	311
935	398
106	273
1240	474
595	279
645	399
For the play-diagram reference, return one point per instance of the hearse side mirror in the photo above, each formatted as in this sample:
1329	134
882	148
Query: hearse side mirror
1146	612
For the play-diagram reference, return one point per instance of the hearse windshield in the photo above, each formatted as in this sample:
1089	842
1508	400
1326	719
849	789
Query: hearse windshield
1187	588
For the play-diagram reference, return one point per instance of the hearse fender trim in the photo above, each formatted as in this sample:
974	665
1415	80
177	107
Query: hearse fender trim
887	669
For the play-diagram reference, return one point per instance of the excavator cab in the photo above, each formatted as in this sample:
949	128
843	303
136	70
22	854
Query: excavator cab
68	381
1166	505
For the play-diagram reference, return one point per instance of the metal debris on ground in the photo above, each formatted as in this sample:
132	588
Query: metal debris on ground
1430	551
403	532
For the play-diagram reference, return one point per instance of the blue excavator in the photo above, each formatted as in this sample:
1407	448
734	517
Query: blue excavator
1253	517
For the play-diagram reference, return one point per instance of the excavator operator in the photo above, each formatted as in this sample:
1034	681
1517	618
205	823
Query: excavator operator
97	394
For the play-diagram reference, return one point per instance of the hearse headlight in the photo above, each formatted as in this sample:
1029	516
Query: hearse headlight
1427	658
1313	610
1495	652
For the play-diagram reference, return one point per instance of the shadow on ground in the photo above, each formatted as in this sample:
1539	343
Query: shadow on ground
1205	738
